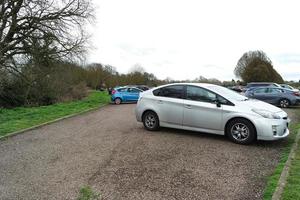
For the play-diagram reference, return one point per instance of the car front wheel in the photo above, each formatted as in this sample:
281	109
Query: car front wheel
151	121
241	131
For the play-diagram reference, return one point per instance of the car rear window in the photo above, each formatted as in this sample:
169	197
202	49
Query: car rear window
173	91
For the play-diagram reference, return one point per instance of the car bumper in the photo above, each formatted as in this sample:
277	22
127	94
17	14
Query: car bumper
138	113
272	129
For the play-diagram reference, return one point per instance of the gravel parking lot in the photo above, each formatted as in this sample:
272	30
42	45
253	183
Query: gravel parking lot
108	150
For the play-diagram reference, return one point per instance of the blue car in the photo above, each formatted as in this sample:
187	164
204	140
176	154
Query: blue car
274	95
125	94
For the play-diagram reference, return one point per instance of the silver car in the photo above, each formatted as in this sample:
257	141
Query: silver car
212	109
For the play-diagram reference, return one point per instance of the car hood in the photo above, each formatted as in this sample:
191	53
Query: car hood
257	104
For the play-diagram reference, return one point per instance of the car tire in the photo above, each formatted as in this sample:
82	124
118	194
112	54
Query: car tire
118	101
284	103
151	121
241	131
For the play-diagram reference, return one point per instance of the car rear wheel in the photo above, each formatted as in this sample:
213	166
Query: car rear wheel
241	131
151	121
118	101
284	103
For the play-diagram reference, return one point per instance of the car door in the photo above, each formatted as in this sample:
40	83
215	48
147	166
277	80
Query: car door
133	94
274	95
260	94
201	110
169	104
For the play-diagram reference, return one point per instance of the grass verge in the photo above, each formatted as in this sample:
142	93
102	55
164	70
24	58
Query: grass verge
291	190
86	193
274	178
16	119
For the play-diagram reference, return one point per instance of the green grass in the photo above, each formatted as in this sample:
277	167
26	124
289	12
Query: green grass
292	188
16	119
272	181
86	193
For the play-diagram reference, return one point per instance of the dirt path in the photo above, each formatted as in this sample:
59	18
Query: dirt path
110	151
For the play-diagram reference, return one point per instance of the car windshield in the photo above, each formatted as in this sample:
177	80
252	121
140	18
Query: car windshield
227	93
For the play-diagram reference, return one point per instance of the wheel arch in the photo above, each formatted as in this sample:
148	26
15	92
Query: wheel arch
118	97
284	98
147	110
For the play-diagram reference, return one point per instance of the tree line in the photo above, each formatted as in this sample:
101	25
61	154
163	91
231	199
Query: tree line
42	42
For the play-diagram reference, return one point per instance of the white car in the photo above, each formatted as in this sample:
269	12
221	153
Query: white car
212	109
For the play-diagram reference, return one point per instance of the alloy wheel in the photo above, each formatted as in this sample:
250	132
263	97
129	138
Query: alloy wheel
284	103
150	121
240	132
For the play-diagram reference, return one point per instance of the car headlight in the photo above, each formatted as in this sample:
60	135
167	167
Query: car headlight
266	114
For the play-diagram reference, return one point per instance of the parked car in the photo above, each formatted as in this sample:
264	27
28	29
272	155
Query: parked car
289	87
125	94
275	95
212	109
237	88
253	85
141	87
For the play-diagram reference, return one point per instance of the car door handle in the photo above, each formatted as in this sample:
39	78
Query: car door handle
188	106
160	101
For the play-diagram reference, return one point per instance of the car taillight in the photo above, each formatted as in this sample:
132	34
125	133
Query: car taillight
113	92
296	94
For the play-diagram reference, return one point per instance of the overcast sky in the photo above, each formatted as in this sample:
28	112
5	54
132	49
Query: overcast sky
185	39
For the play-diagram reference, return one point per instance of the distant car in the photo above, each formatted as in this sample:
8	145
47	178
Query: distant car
141	87
237	88
289	87
275	95
212	109
125	94
252	85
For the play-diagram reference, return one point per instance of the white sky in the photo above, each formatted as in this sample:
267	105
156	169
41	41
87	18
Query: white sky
184	39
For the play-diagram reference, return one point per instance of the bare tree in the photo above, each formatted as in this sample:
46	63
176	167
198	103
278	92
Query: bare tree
55	27
137	68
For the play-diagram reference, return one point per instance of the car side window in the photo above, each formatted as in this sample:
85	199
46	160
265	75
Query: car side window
274	91
157	92
122	90
133	90
223	101
260	91
200	94
173	91
136	90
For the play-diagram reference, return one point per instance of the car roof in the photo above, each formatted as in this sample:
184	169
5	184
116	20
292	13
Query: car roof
204	85
261	83
273	87
124	87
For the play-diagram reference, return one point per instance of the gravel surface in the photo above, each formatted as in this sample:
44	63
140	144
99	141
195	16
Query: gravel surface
108	150
292	113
